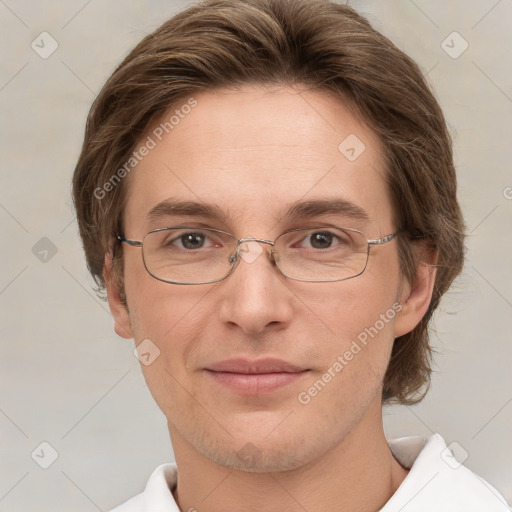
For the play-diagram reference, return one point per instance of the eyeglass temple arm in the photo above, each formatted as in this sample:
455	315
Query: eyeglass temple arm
134	243
383	240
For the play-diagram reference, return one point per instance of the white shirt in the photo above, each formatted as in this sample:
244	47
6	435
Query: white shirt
436	482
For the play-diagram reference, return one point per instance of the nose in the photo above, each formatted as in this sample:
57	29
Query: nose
255	296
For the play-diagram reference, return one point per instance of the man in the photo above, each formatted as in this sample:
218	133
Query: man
266	191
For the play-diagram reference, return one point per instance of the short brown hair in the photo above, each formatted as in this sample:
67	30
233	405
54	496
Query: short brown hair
314	43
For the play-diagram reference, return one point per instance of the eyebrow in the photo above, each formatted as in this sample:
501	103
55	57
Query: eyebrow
337	206
169	207
297	210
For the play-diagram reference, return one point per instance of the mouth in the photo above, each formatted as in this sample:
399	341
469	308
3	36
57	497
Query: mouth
255	377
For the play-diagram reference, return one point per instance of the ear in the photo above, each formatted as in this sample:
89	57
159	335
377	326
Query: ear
416	295
122	324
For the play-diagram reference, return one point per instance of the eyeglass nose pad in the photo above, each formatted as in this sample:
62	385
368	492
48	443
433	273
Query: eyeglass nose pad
274	257
235	257
232	259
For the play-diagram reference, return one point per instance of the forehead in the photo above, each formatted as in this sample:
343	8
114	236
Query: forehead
253	155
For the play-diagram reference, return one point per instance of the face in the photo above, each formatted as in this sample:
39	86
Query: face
316	353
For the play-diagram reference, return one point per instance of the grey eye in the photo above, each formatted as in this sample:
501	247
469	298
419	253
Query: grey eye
192	240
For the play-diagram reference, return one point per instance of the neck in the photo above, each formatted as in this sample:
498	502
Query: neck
358	474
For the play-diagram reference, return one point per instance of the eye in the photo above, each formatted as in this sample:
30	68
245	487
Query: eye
323	240
191	240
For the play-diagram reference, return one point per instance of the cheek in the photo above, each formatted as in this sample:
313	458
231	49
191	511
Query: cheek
361	339
165	328
353	322
345	310
171	320
158	309
166	320
353	369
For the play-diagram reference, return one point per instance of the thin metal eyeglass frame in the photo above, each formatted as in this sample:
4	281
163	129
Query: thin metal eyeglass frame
235	257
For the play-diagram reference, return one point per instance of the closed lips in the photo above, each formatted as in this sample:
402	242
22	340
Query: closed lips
259	367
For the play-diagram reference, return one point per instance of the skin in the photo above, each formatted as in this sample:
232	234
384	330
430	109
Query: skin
253	151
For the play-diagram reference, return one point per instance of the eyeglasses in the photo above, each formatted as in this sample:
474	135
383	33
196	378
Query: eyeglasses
189	255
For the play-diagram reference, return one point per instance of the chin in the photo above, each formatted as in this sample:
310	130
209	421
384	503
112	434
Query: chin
252	458
261	454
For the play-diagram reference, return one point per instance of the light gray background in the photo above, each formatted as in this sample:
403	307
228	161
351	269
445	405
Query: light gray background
67	379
